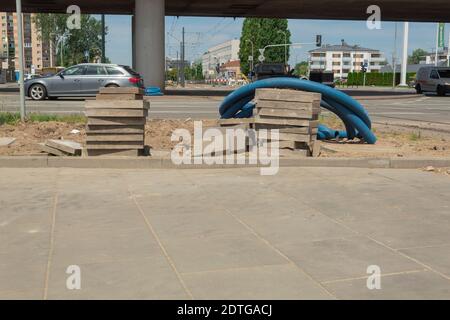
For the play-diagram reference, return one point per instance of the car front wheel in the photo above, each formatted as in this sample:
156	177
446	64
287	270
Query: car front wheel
419	89
38	92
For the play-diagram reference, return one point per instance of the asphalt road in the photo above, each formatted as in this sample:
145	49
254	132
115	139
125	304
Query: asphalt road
431	109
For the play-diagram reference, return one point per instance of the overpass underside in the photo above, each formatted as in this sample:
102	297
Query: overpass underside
395	10
148	17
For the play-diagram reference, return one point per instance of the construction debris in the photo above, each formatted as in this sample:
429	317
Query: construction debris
61	147
5	142
116	122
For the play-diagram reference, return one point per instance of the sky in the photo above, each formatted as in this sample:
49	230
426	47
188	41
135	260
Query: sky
203	33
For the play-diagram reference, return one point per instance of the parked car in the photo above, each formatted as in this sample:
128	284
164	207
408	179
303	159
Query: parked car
433	79
82	80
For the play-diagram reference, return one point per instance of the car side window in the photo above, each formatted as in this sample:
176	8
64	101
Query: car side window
95	71
434	75
114	71
74	71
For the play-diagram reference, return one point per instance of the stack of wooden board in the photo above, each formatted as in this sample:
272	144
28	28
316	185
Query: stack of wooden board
294	113
116	122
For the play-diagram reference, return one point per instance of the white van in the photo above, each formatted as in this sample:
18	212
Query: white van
433	79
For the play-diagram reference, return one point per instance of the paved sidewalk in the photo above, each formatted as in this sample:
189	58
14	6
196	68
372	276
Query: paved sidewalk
306	233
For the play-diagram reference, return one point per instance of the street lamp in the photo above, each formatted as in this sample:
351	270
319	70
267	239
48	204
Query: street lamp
253	56
285	45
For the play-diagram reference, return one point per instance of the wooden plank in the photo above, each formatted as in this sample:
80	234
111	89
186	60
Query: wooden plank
272	104
125	96
286	113
285	122
97	145
117	113
288	144
316	148
287	129
115	137
121	90
235	121
301	153
52	151
115	129
115	152
117	104
287	95
67	146
295	137
116	121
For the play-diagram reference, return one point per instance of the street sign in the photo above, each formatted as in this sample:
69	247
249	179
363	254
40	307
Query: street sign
441	35
261	58
250	58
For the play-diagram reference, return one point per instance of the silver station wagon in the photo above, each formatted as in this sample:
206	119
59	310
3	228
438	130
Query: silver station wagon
82	80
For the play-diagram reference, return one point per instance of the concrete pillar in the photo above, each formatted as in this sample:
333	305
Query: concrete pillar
405	55
148	41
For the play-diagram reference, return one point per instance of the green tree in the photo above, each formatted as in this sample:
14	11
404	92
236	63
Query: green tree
76	42
417	56
301	69
263	32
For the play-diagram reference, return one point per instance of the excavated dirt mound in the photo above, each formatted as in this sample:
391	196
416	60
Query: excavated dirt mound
392	141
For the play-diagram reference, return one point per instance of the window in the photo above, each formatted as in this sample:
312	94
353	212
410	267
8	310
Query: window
95	71
444	73
336	55
113	71
74	71
336	63
434	75
358	55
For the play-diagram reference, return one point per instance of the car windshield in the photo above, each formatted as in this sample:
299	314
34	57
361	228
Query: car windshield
444	73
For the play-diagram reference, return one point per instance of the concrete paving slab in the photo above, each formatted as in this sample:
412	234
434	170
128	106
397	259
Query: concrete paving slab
337	259
225	233
79	246
410	286
269	282
223	252
438	258
144	278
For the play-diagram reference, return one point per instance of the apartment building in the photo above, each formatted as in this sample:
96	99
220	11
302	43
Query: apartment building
344	58
219	55
443	57
36	52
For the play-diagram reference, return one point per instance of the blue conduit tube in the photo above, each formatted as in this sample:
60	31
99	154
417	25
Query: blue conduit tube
352	113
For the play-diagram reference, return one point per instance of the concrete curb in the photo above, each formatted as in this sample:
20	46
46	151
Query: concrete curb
166	163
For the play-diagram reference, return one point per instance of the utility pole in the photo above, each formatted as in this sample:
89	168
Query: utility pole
394	59
285	45
178	68
103	40
253	55
405	54
182	59
21	61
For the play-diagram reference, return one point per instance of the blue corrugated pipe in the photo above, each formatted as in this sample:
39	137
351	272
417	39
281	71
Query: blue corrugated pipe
353	115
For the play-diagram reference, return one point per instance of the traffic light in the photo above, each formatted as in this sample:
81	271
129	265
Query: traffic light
318	40
363	67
